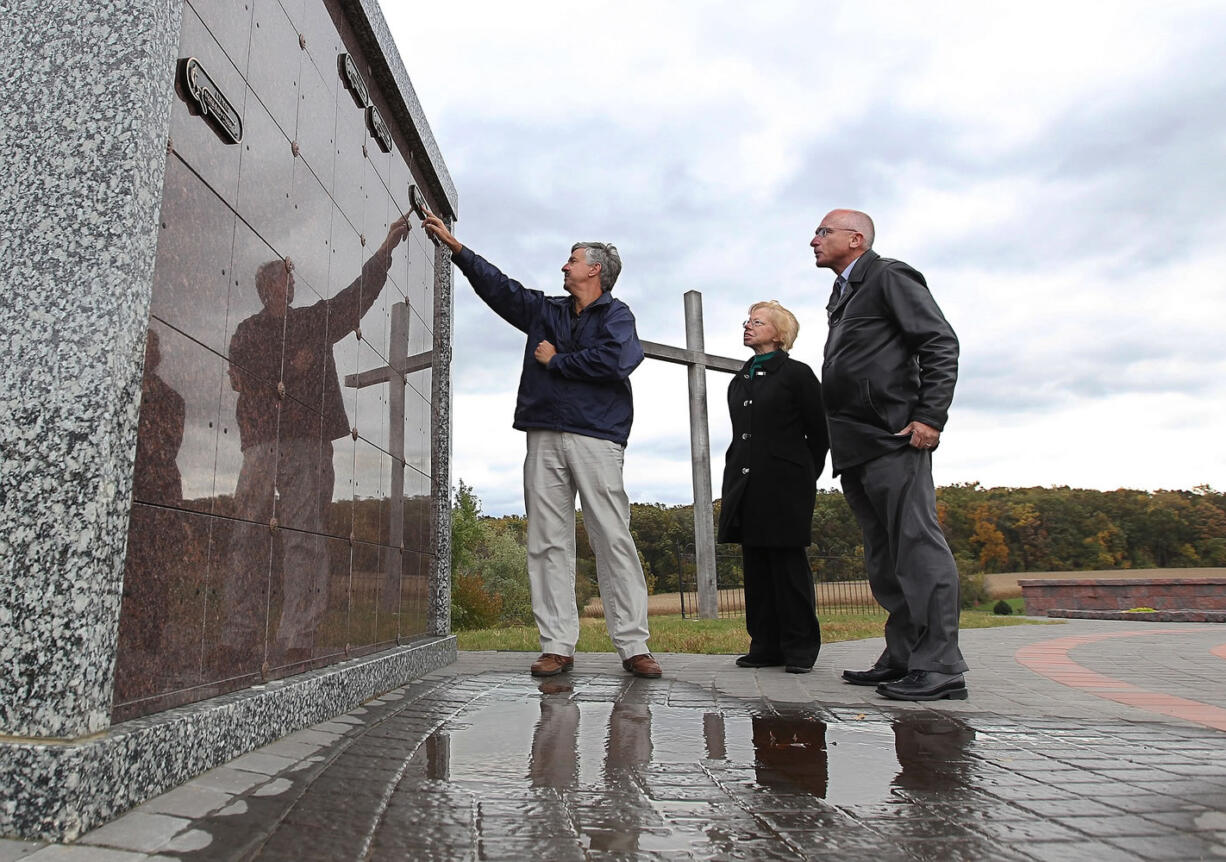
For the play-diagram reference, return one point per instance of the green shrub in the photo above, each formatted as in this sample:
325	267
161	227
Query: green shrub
971	587
471	606
1002	608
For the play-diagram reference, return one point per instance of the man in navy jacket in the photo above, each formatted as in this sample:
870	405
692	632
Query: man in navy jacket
576	406
888	375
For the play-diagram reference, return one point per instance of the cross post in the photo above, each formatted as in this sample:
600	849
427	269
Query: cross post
697	361
395	374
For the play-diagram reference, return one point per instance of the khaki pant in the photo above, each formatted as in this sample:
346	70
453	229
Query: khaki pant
559	465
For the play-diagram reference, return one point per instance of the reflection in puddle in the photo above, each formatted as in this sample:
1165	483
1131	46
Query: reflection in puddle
631	774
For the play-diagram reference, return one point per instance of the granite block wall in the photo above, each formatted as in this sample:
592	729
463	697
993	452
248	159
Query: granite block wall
82	152
225	413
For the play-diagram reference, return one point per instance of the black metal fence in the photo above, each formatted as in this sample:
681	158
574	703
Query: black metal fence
840	585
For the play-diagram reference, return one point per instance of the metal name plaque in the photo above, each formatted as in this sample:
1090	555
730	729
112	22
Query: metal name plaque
378	129
353	80
202	91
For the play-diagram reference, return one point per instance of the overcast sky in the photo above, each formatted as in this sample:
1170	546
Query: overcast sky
1057	172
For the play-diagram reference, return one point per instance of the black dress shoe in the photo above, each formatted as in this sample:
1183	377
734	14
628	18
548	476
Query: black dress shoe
875	675
925	685
755	661
799	668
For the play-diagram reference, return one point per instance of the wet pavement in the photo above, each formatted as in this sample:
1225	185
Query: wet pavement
1085	740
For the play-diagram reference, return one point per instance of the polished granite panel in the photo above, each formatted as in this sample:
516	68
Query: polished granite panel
240	560
416	511
161	629
229	22
275	63
266	178
176	447
399	180
419	280
370	416
348	254
249	418
317	94
307	372
193	139
333	638
414	594
304	479
308	601
417	438
323	42
245	305
309	242
371	483
191	285
349	177
340	510
421	338
380	163
375	594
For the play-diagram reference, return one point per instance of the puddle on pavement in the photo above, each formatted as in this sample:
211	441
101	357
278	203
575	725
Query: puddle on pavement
568	744
498	767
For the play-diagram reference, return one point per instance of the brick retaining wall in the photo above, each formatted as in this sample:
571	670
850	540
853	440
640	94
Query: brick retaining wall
1121	594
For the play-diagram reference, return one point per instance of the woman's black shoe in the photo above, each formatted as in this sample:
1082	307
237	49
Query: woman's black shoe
754	661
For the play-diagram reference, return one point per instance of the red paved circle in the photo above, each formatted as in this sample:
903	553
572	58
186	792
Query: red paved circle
1051	659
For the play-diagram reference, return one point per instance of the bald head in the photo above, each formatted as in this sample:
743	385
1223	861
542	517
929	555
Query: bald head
842	237
856	220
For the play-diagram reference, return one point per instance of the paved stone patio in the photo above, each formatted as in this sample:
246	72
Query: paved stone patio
1083	740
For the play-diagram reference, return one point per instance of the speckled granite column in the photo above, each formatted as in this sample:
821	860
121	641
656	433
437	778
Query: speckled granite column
440	480
82	154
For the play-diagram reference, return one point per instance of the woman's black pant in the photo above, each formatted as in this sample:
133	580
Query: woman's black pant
780	610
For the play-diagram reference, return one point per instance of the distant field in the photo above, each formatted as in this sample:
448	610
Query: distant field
1001	586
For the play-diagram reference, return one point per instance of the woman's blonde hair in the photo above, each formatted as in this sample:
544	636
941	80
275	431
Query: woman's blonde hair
784	321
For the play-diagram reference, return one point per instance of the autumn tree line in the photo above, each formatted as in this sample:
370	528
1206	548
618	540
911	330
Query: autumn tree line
989	530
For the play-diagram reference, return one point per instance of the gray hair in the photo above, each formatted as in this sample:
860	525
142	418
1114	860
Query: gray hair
607	257
267	274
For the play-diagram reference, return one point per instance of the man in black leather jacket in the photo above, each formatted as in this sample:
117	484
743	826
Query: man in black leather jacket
888	376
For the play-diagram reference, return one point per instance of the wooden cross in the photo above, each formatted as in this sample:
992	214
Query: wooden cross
395	375
697	361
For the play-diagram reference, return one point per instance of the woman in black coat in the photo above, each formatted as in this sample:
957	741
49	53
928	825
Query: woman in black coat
777	452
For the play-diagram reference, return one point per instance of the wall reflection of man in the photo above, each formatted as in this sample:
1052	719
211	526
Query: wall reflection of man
154	551
790	753
287	454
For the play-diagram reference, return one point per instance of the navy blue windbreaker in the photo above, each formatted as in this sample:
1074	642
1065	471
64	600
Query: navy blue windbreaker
586	388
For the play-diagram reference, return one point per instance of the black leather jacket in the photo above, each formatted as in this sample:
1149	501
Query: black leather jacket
891	358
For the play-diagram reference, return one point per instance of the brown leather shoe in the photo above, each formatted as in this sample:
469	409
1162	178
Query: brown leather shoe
643	665
552	664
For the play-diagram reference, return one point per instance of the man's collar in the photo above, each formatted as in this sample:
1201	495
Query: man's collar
604	298
857	268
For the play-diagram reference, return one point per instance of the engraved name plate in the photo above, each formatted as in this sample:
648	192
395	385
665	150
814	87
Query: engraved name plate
353	80
203	93
378	129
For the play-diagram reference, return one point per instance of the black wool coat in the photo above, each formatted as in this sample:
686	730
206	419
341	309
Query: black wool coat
777	452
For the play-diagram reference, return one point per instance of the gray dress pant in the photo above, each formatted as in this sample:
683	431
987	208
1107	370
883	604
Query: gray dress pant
910	568
560	465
